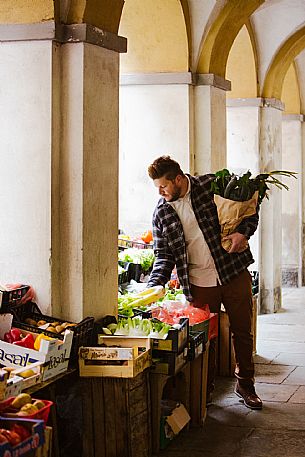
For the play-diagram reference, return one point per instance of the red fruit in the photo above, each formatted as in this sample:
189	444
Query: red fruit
16	334
22	431
12	437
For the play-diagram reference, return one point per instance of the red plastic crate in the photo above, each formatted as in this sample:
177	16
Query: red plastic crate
6	410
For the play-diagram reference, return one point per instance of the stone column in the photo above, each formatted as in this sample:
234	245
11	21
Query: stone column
210	123
303	201
88	164
292	202
270	141
243	116
60	143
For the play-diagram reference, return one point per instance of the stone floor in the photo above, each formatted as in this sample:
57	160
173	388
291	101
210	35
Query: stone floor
278	430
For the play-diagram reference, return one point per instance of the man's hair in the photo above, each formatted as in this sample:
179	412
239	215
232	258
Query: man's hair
165	167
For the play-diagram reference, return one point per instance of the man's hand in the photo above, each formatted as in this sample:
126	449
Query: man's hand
239	242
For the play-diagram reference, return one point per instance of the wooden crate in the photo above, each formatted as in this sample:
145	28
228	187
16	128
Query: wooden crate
198	387
117	416
225	350
175	387
121	359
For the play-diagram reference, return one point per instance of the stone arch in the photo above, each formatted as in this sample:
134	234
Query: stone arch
291	91
242	65
282	60
157	37
217	43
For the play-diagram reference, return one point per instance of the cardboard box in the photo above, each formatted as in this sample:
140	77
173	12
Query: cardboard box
54	355
36	427
178	419
122	358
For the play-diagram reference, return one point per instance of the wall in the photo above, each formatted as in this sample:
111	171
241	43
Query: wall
154	121
25	164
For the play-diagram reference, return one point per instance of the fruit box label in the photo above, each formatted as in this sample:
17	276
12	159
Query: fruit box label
54	356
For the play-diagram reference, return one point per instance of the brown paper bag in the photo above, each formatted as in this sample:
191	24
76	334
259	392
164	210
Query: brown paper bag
230	215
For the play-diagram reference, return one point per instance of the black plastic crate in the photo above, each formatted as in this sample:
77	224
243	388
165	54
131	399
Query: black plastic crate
10	297
168	363
82	332
255	282
176	340
196	345
123	277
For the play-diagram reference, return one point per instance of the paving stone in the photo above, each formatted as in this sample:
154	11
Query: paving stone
279	346
273	374
298	396
275	392
265	357
282	332
267	443
297	377
288	358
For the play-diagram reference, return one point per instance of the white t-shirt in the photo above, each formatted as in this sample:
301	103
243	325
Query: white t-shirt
202	270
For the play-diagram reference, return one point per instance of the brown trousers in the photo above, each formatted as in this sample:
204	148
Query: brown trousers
236	297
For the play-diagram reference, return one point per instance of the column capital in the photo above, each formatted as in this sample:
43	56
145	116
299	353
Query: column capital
62	33
258	102
294	117
210	79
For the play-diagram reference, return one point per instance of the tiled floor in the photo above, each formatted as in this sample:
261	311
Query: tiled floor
278	430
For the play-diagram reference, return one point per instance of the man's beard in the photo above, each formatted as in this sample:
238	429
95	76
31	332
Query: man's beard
176	195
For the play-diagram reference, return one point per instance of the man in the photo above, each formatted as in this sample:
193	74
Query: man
186	233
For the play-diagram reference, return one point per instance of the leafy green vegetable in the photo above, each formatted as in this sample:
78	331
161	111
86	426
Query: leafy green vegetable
144	257
242	188
139	327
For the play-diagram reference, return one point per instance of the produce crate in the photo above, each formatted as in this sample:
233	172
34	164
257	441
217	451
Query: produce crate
123	277
176	339
198	387
117	416
54	355
10	297
123	357
82	332
168	363
208	326
34	441
196	345
7	410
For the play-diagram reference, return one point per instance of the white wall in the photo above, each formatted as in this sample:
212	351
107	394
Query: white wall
25	164
292	200
242	151
154	121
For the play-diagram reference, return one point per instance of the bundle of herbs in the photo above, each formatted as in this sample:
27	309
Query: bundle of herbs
238	197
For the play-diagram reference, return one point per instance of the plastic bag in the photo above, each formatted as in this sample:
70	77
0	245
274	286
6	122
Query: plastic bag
172	311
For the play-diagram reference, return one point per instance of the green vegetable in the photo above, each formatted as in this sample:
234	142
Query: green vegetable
242	188
144	257
141	327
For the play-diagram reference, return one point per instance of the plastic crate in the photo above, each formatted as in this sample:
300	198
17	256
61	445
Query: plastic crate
255	282
6	410
10	297
196	344
123	277
82	332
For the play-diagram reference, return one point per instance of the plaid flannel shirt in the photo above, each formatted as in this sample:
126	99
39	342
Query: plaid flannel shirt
169	242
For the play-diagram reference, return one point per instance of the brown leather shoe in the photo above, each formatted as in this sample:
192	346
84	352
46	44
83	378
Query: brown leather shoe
249	396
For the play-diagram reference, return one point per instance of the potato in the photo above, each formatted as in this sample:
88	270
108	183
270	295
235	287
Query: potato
21	400
30	321
51	329
59	328
42	322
